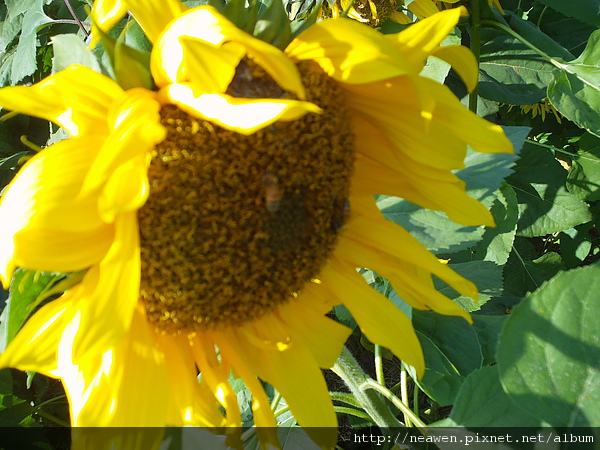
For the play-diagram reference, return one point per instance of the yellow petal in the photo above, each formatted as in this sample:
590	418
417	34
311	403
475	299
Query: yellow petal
423	8
105	15
291	369
126	190
124	386
154	17
209	67
53	251
451	117
412	283
43	200
215	373
245	116
405	117
135	130
76	98
205	24
263	415
189	404
323	337
401	18
349	51
379	319
370	226
462	61
374	178
418	41
109	292
35	347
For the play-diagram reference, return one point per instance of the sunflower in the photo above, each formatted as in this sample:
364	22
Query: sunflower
220	217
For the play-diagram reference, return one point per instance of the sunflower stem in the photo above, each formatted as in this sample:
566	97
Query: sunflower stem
379	366
348	369
416	399
475	47
371	384
31	145
51	418
404	395
351	412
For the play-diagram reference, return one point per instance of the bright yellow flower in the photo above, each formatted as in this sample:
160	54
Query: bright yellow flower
221	217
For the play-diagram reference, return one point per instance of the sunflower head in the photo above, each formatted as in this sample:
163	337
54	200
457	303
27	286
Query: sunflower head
222	214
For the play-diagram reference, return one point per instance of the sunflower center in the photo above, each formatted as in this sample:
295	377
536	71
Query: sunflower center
236	225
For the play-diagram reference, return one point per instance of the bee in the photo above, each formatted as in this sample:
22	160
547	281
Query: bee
272	191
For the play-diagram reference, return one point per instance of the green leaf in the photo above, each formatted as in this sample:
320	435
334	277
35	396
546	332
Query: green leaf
587	11
575	91
545	205
549	350
575	245
522	275
488	330
451	352
9	28
132	66
497	242
486	275
481	402
432	228
26	287
511	72
13	410
584	176
70	49
571	34
24	63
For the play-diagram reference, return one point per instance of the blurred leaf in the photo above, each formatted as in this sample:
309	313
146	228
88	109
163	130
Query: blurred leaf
549	350
522	275
587	11
26	287
70	49
545	205
575	91
481	402
451	350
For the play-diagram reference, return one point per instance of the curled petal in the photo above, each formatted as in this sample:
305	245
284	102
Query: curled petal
245	116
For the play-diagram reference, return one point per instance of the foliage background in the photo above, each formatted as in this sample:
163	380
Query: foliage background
532	357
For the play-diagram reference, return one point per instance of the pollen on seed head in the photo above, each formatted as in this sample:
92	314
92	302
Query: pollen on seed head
236	225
